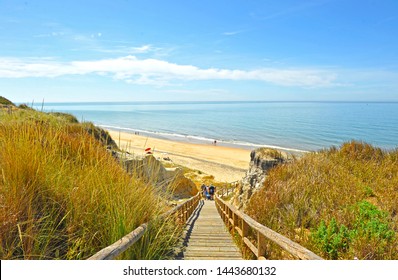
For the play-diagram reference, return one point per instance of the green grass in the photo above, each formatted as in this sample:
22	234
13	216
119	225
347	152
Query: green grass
63	196
340	203
68	117
5	101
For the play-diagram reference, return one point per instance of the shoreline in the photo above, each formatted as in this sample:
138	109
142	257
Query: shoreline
226	164
175	137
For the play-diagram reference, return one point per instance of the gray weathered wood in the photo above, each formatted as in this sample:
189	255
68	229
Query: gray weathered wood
183	210
206	236
121	245
286	244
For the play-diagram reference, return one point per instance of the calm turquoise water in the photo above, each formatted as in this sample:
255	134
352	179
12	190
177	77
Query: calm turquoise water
289	125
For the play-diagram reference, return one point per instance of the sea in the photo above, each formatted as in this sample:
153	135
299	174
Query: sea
291	126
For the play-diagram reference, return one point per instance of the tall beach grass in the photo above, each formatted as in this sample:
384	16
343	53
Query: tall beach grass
341	203
63	196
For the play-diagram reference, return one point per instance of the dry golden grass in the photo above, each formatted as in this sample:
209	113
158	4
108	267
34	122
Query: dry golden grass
355	185
62	195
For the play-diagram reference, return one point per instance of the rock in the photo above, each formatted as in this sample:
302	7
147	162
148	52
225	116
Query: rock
261	161
183	187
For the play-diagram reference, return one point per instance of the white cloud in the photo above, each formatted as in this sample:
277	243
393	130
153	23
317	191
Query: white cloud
128	50
48	35
159	72
231	33
142	49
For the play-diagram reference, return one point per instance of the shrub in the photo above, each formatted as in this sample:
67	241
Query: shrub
370	227
331	239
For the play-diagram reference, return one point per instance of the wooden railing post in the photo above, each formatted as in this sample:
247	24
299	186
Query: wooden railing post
245	231
178	218
233	223
261	246
228	217
185	212
244	228
240	222
225	213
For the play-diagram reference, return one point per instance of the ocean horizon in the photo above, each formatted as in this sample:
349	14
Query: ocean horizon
291	126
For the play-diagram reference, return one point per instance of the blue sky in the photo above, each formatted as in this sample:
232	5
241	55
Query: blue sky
121	50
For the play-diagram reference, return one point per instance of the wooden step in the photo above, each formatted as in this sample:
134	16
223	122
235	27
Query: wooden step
206	236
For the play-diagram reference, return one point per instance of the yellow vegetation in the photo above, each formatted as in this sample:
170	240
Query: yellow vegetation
63	196
340	203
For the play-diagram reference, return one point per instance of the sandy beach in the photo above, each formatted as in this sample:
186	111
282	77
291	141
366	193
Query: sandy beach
224	163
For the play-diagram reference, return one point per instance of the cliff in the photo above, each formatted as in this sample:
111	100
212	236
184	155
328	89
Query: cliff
261	160
168	179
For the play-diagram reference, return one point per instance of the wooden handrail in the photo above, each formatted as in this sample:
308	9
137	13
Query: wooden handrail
226	191
238	222
182	213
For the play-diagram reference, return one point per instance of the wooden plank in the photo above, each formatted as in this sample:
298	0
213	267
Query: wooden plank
251	246
211	258
208	238
224	255
121	245
213	249
206	243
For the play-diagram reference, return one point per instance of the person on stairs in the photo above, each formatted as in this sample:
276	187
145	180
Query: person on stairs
212	190
203	187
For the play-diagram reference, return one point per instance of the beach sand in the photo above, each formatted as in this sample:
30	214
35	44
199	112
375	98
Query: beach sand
226	164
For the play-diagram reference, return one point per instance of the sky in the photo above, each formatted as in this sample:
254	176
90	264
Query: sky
191	50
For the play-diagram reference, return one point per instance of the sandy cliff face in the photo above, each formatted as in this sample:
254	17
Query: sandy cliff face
261	161
153	171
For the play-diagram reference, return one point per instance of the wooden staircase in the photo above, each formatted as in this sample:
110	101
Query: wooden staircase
206	237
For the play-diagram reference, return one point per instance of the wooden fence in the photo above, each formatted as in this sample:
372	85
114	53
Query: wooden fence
181	212
240	223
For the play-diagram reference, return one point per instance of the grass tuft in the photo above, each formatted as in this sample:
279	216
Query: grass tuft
63	196
340	203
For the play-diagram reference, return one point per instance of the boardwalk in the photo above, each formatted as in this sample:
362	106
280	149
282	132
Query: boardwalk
206	237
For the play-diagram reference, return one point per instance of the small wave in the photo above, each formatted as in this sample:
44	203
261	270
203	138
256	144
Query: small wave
201	139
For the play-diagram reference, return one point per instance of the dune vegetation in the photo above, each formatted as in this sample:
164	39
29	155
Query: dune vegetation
63	195
341	203
5	101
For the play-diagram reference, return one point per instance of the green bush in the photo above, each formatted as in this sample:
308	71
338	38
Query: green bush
331	239
371	227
